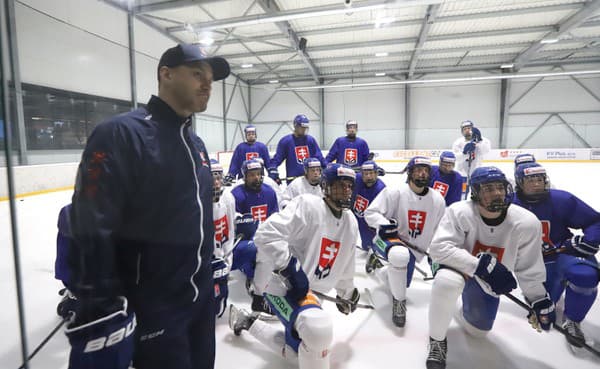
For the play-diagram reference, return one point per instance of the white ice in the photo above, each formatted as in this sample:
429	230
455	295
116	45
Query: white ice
365	339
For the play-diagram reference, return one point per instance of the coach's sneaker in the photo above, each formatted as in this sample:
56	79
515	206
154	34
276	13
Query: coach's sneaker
399	312
240	319
372	263
574	335
437	354
260	305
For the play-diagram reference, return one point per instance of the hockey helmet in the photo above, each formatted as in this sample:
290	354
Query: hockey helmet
487	175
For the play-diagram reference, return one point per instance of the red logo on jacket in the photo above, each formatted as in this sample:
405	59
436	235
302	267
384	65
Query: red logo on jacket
221	231
259	212
360	204
479	248
251	155
441	187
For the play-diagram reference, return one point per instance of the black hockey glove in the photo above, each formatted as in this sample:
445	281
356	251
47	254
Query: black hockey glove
228	180
579	247
349	305
544	315
493	277
220	272
67	305
295	279
101	334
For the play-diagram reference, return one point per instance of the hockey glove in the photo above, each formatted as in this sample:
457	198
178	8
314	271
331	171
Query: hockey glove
475	134
348	306
274	175
228	180
295	279
387	231
579	247
220	272
67	306
493	277
380	171
544	315
106	341
387	236
469	148
245	226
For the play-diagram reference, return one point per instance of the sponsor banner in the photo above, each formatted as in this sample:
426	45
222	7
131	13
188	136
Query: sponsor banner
595	154
495	154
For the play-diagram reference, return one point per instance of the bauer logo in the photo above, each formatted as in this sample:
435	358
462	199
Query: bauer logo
112	339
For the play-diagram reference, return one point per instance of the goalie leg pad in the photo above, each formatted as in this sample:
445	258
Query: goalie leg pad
244	258
479	308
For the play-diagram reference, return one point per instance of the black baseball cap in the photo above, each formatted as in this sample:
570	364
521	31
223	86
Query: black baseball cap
189	53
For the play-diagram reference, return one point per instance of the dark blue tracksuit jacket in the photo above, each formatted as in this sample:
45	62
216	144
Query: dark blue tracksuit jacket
142	212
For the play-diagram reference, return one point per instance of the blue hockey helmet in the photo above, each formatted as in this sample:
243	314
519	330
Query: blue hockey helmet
531	170
215	166
447	157
252	164
249	129
369	165
486	175
524	158
337	172
301	121
418	161
311	163
351	123
365	168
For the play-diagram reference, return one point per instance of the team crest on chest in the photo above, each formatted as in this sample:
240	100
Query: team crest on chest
416	222
350	156
495	251
301	153
251	155
259	212
329	251
360	205
441	187
221	231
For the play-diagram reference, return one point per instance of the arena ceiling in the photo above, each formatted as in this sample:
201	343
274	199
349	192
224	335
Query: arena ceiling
324	41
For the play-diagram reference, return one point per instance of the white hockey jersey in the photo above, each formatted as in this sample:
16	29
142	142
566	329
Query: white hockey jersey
481	149
516	243
224	221
324	244
298	187
417	216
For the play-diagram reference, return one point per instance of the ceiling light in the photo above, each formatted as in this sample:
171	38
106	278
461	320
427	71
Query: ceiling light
189	27
507	66
247	65
549	40
383	21
207	41
379	74
381	54
274	81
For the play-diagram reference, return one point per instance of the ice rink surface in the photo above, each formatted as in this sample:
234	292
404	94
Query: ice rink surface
365	339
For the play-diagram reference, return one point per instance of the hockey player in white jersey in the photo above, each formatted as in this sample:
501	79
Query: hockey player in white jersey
410	213
469	149
478	244
309	245
309	183
223	218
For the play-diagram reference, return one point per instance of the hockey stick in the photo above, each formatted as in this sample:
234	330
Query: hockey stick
44	341
468	178
426	277
522	304
338	300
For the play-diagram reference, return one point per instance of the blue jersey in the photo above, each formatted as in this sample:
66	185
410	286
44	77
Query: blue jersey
561	211
260	204
350	152
245	151
448	185
361	199
294	150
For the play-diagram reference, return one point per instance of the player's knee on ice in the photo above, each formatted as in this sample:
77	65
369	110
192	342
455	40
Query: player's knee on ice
315	328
